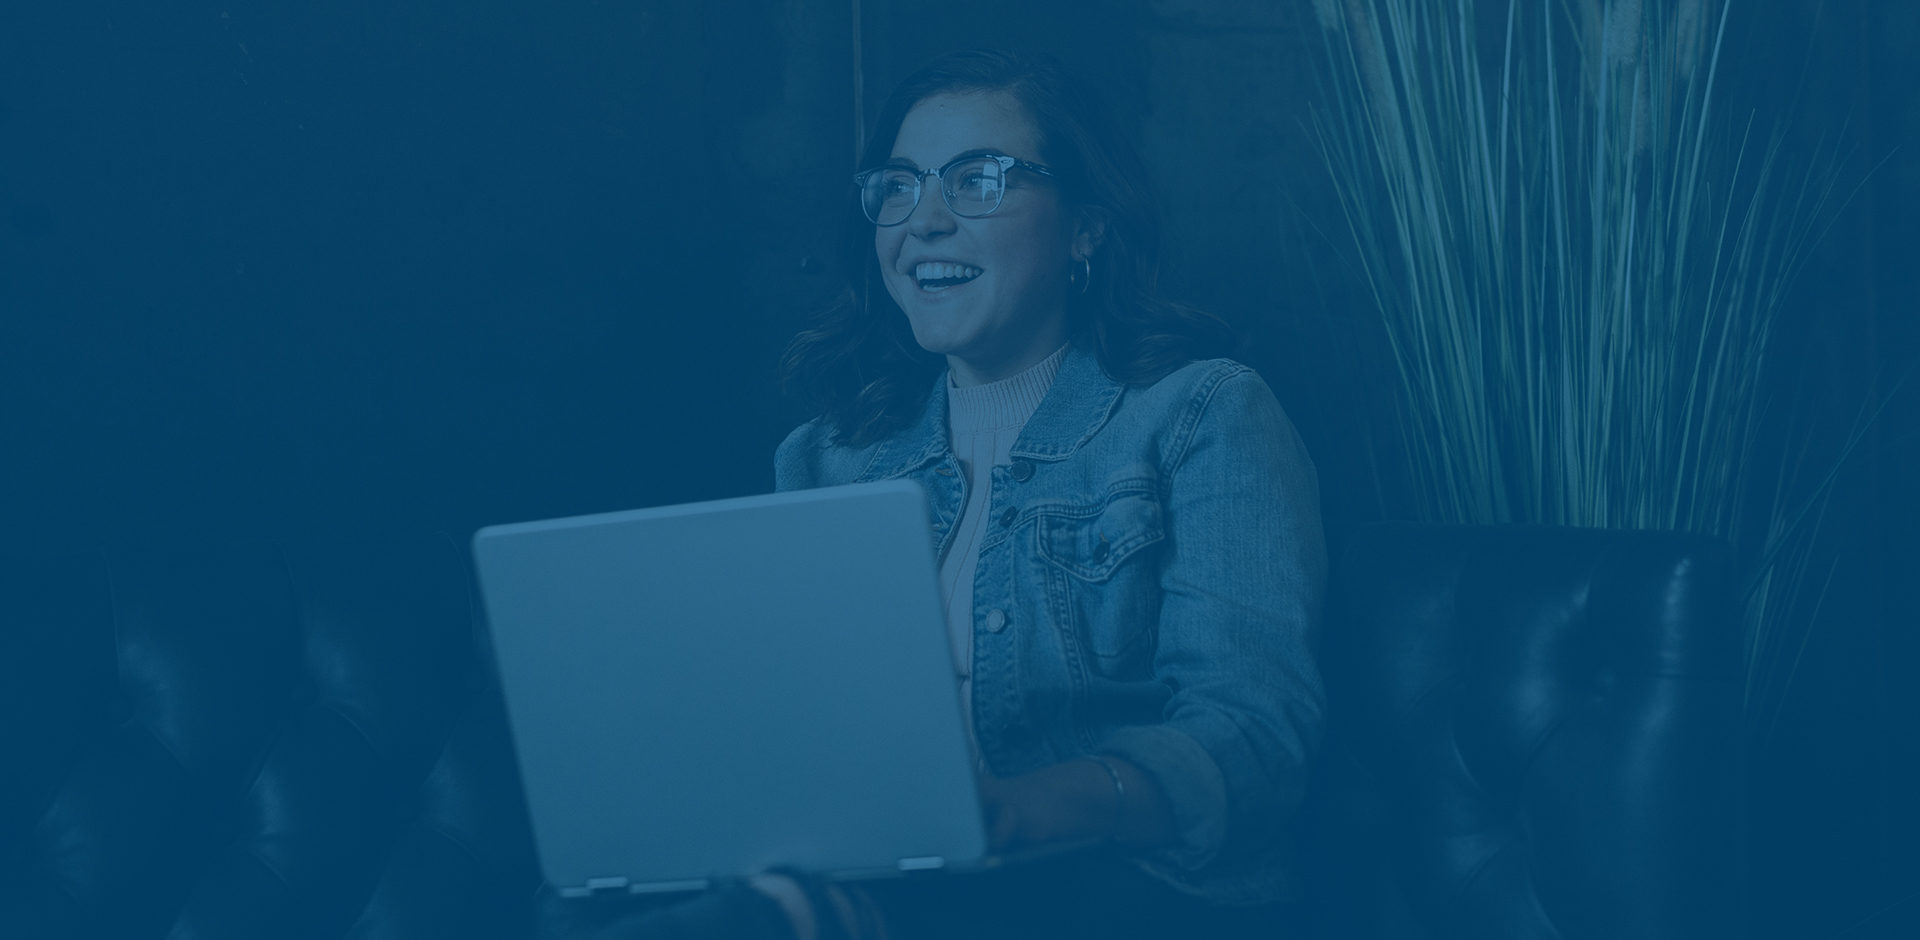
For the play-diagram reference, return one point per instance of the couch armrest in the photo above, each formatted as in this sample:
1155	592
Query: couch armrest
1533	732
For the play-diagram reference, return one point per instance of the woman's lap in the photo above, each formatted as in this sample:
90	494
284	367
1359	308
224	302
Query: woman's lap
1075	896
729	911
1056	899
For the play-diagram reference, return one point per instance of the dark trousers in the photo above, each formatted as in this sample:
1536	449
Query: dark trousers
1098	897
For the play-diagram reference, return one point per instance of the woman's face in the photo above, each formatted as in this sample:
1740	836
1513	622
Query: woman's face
1014	313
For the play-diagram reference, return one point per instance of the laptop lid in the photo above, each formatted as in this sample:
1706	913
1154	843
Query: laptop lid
719	688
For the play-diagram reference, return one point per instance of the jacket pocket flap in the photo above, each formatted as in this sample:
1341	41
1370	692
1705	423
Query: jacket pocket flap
1090	543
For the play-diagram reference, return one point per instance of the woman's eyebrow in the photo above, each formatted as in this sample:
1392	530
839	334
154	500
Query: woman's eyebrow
900	161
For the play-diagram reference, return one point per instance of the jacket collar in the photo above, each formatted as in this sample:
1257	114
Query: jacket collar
1077	404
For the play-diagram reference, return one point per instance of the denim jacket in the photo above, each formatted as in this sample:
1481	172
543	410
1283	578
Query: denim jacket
1148	587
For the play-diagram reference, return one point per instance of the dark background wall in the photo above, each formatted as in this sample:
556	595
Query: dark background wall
456	262
334	268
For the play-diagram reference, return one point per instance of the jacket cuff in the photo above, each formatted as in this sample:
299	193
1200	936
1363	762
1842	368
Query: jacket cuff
1192	783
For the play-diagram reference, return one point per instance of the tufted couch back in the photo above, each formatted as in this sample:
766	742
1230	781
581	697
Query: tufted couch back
1533	733
241	741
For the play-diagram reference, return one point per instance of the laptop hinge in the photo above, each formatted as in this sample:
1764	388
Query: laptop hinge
668	887
602	886
618	885
923	863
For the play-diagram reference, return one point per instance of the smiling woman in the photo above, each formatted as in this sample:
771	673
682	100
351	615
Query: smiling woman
1070	188
1127	530
978	272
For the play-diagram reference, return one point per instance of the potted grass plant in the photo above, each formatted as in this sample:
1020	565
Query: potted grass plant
1579	256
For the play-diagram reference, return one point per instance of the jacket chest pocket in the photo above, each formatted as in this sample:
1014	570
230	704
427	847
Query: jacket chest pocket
1103	578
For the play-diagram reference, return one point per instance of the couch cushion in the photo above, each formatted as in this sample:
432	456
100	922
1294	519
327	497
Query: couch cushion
254	739
1533	732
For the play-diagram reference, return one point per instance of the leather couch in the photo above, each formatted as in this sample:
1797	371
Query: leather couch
249	740
1533	733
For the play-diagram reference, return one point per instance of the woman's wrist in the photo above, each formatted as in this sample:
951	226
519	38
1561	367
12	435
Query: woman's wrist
1145	819
1117	819
1088	797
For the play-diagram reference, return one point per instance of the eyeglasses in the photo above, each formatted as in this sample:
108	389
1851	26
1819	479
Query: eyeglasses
972	187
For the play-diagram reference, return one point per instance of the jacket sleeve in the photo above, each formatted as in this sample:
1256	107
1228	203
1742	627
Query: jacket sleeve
796	460
1242	586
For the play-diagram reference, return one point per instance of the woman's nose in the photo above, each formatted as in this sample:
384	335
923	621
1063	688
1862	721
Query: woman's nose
931	218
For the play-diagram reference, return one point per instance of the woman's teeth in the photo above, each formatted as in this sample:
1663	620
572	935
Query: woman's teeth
938	275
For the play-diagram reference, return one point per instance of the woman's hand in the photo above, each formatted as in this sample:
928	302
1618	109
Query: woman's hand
1073	801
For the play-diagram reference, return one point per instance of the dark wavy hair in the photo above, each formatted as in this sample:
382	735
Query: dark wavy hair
859	365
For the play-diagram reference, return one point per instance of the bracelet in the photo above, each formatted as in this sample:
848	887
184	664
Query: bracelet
1119	791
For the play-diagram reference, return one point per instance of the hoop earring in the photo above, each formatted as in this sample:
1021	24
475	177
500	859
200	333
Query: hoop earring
1085	280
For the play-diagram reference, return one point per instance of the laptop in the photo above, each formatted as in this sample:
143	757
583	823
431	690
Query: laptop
722	688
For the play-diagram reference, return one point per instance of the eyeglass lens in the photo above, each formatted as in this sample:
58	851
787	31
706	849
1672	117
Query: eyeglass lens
972	188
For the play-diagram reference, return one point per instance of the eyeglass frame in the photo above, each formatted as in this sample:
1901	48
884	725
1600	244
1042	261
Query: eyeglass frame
919	179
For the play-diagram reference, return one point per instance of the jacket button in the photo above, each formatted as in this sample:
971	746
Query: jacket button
1012	513
1022	470
1100	550
996	620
